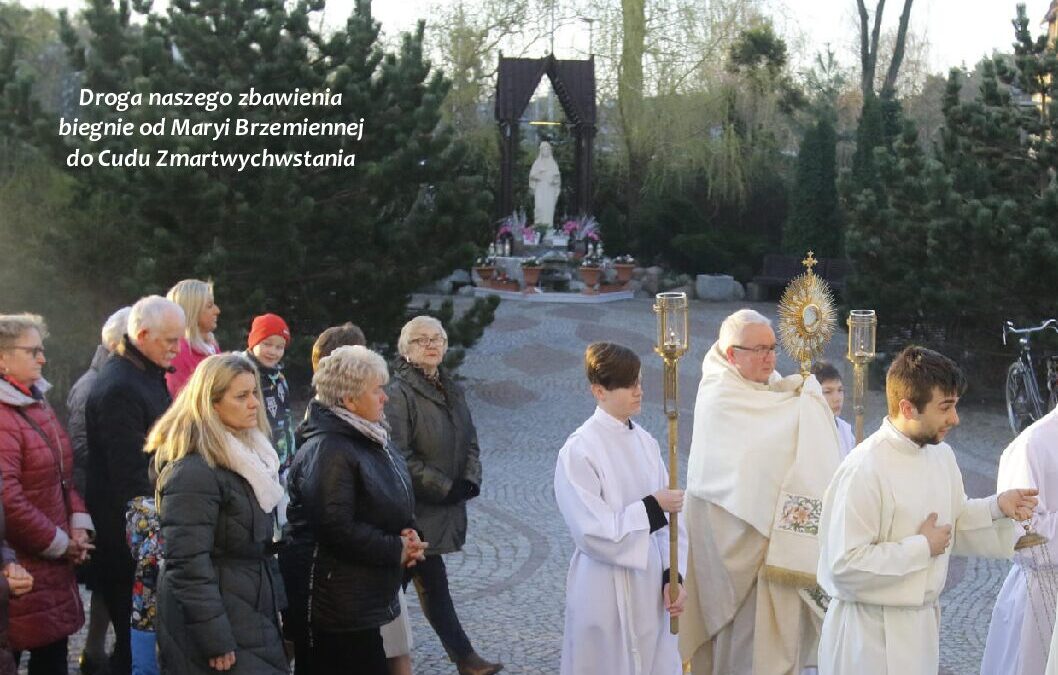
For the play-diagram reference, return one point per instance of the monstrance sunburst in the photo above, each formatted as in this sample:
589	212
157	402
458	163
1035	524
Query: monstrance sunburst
807	317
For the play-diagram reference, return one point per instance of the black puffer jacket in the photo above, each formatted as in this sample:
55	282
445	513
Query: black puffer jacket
218	587
433	428
349	500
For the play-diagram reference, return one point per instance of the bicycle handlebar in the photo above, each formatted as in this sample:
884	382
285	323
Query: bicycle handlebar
1008	327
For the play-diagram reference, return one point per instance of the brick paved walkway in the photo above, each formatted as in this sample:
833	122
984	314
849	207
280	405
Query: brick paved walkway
527	393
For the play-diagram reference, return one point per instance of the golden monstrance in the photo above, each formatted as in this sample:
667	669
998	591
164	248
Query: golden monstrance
807	317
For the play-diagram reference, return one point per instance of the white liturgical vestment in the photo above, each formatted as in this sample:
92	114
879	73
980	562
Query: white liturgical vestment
761	458
884	615
1020	633
616	622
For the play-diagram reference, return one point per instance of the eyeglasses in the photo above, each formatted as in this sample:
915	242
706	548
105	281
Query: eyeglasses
758	351
33	351
435	341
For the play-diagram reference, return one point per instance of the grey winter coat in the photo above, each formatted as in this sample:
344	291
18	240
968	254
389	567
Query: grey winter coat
219	590
76	401
436	434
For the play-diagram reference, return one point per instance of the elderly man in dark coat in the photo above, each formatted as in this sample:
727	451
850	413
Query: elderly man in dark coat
127	398
431	424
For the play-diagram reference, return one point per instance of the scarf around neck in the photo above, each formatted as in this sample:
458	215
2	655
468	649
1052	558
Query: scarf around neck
256	460
373	430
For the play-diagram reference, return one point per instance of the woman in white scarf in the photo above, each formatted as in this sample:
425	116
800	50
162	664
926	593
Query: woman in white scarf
218	485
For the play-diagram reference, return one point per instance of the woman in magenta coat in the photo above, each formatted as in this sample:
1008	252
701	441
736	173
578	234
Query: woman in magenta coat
47	523
196	299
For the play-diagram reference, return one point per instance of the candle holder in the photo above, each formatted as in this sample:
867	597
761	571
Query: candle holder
863	328
672	343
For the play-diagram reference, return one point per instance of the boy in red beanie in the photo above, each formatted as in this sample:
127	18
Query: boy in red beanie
268	341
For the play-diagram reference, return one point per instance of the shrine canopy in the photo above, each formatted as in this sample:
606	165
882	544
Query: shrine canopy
574	85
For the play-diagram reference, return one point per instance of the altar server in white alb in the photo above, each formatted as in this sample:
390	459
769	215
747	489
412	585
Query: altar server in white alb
1020	633
610	483
893	515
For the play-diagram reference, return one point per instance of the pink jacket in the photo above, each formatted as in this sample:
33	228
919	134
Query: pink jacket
183	366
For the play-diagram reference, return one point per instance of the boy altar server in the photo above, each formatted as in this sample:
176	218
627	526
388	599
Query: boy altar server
892	516
610	483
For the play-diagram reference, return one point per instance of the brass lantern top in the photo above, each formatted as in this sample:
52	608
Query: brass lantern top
672	339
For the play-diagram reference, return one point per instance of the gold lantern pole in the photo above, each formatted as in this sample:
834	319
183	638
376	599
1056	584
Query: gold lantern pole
863	325
672	342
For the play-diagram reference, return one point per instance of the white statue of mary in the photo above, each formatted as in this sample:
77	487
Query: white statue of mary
545	181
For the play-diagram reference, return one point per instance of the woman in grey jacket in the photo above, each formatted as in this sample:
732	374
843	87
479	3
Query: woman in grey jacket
219	591
430	421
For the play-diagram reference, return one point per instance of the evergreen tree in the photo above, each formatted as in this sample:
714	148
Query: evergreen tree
319	245
814	222
947	247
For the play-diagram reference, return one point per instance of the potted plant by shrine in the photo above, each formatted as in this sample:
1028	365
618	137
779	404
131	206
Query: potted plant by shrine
485	266
624	264
591	271
531	269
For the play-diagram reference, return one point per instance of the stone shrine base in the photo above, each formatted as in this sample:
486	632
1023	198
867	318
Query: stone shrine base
544	296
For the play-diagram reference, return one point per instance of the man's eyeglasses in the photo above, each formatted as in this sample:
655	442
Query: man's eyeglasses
757	351
33	351
435	341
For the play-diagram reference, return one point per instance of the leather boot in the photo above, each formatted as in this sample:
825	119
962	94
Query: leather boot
475	665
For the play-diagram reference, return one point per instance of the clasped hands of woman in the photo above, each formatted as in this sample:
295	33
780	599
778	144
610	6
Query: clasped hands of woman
414	548
80	547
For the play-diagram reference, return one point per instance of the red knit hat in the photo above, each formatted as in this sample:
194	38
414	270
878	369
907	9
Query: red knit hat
264	327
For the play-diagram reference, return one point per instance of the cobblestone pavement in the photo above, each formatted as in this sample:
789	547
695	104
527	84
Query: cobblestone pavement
527	392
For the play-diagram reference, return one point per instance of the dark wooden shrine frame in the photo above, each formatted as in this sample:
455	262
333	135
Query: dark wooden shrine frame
574	84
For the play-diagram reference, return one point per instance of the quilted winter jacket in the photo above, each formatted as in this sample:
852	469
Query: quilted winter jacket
440	444
38	520
219	589
350	498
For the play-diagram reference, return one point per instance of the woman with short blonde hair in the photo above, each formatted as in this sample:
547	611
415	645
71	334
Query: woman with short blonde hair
350	523
200	312
217	473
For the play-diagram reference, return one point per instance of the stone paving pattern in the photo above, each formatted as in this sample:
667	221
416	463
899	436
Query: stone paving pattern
527	392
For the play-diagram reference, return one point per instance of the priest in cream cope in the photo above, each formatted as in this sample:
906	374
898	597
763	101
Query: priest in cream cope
763	451
611	487
893	515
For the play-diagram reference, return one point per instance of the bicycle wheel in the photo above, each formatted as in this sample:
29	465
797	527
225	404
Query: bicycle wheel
1020	406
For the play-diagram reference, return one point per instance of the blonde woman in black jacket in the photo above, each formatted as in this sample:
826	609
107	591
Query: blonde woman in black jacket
350	523
219	591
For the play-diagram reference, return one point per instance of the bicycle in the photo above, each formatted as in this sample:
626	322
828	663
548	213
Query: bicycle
1025	403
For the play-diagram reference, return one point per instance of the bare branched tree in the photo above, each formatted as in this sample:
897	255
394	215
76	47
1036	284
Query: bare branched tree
869	43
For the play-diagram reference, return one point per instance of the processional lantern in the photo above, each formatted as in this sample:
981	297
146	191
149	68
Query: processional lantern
863	328
672	343
806	316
